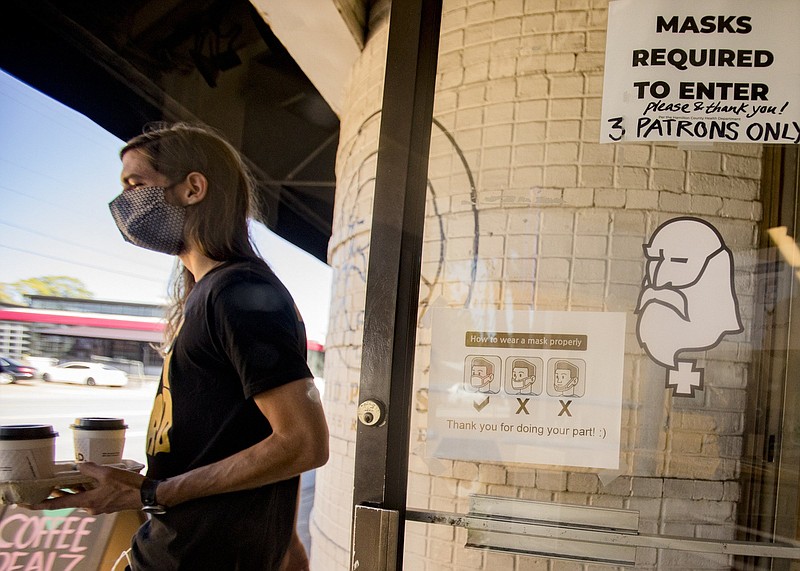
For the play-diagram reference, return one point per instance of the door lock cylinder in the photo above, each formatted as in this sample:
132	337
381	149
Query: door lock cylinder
371	412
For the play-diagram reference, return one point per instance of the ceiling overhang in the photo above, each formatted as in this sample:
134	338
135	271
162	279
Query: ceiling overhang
335	47
124	63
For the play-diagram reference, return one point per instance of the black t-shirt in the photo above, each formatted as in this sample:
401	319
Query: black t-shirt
241	336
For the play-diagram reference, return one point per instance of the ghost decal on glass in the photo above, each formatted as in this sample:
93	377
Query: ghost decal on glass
688	300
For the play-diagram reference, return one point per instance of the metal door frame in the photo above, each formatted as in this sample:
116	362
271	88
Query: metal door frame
390	316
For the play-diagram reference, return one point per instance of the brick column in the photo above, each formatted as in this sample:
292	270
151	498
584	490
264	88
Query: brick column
528	211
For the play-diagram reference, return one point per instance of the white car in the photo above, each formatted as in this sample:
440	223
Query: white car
85	373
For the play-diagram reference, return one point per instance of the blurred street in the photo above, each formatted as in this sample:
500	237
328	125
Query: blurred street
37	402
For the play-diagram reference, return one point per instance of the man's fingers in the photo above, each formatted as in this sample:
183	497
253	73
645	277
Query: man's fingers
110	490
91	469
108	473
64	501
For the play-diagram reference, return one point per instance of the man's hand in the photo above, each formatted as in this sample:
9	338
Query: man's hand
115	490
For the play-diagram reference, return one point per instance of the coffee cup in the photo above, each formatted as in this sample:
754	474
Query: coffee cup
27	452
99	440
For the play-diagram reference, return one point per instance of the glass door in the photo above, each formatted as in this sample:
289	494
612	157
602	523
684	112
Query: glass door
770	458
577	354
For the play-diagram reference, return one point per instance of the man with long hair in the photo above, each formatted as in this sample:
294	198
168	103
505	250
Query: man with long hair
236	417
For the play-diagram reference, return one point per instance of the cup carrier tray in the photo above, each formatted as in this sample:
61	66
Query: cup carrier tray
66	476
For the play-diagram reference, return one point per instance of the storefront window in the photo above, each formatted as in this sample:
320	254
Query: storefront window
604	321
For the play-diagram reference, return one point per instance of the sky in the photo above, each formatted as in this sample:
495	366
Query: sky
58	172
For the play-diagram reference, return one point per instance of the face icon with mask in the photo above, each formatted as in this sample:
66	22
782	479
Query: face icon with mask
565	378
523	376
481	374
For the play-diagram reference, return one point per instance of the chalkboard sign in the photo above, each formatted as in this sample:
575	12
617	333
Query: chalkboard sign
53	540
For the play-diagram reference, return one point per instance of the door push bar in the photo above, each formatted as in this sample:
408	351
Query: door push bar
579	533
544	529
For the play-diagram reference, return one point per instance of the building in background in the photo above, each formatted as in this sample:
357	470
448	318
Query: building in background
84	329
126	335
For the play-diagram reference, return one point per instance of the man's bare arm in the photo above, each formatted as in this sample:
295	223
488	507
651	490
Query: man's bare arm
299	442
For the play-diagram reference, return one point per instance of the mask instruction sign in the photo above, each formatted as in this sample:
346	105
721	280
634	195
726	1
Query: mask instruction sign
711	71
542	387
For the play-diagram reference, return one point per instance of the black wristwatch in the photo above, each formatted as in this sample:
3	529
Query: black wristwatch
148	493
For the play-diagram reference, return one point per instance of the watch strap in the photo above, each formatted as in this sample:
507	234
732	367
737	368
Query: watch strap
148	496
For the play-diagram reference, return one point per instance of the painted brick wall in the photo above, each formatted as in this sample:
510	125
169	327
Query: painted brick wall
559	222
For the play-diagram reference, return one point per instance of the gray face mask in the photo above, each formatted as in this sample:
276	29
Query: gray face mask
147	220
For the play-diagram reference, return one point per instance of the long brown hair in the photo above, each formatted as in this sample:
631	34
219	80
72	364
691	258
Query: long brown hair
217	225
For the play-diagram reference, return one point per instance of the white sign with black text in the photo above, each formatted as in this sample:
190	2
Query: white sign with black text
712	71
540	387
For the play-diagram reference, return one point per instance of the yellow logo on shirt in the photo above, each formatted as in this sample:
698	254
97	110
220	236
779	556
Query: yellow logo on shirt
161	417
